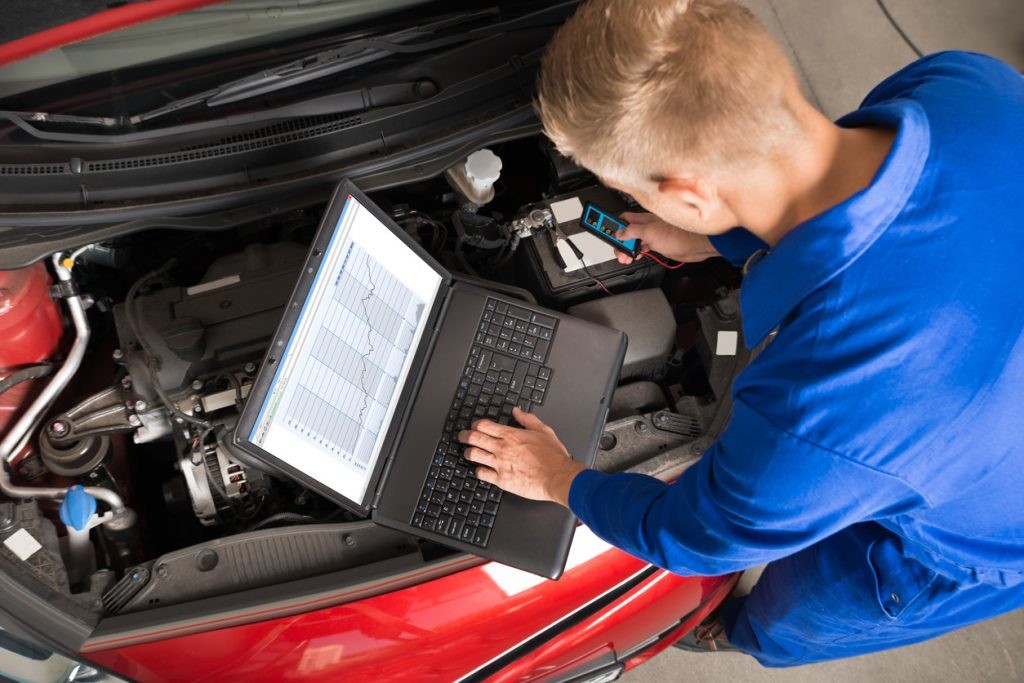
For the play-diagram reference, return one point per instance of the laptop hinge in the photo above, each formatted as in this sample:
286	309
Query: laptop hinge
407	410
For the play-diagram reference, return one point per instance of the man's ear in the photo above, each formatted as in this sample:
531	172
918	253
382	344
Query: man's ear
700	195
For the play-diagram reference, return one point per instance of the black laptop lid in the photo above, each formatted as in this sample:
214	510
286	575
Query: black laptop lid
326	405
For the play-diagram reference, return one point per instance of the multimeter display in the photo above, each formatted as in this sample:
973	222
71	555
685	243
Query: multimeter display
605	227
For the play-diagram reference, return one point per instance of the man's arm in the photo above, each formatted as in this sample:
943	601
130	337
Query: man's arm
757	495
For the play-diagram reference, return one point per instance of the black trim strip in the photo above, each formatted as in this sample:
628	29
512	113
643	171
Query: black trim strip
559	627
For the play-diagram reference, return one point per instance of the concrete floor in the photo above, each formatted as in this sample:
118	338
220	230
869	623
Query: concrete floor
989	651
842	48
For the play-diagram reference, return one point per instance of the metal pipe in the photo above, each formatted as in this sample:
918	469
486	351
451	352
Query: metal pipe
9	447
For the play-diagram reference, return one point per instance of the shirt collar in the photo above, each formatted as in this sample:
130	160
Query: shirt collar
820	248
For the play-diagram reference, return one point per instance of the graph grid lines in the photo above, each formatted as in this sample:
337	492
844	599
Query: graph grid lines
360	340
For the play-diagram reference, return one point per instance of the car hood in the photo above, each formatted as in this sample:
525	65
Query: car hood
31	27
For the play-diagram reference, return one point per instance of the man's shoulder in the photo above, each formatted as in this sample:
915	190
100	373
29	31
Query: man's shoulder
950	72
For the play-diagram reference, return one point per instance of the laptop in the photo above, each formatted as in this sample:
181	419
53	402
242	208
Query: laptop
382	356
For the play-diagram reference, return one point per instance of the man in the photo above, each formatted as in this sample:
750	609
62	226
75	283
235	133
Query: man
875	455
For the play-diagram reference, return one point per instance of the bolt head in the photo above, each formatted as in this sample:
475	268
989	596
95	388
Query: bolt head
250	368
118	354
140	406
59	427
197	385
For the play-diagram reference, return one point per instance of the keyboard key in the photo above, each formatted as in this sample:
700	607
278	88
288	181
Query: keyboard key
417	519
436	498
543	320
530	342
517	312
542	384
526	352
518	337
493	329
537	396
481	536
542	348
502	362
483	361
521	326
477	506
518	375
494	495
498	319
509	324
524	405
502	345
454	528
513	348
489	340
467	533
491	303
530	382
501	307
486	521
544	333
533	329
544	373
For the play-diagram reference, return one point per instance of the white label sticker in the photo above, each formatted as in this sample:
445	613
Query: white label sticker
567	210
210	286
727	343
22	544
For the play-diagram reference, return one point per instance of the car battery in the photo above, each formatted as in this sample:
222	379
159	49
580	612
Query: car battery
556	274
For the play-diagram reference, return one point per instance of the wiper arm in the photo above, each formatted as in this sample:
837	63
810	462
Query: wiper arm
358	53
312	67
337	103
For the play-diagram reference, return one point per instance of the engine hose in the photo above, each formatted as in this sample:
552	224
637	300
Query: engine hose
9	445
25	374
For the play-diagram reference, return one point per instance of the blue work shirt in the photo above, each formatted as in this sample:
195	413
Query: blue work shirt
893	392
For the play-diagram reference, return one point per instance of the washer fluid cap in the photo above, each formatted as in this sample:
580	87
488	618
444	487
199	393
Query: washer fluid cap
483	167
78	508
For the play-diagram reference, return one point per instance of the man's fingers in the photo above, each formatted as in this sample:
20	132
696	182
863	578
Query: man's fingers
490	428
487	474
530	421
623	258
480	456
479	439
638	218
628	233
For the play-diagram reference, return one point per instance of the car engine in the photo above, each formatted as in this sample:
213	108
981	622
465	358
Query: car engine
177	325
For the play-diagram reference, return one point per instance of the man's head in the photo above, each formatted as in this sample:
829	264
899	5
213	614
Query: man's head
667	99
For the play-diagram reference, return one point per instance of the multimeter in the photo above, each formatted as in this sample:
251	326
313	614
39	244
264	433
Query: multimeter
602	224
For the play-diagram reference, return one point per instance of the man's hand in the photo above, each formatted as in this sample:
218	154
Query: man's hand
529	462
664	238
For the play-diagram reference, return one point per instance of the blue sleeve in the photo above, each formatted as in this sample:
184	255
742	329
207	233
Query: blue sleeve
737	245
758	494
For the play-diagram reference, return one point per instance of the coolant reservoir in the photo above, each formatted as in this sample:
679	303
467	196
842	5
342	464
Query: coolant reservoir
475	176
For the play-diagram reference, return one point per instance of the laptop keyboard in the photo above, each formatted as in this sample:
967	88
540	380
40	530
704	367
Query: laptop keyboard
505	368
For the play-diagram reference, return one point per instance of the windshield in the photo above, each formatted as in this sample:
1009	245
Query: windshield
214	29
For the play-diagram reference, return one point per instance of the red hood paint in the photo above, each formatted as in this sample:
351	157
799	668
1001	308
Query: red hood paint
95	25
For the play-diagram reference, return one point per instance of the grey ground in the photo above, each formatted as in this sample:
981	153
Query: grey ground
842	49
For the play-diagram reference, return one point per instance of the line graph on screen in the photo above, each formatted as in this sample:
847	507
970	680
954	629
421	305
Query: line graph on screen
362	335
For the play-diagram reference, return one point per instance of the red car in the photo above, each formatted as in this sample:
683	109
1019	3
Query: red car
163	167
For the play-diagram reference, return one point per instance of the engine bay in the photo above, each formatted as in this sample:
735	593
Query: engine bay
176	324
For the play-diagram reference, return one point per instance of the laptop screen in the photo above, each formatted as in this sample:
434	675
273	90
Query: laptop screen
338	381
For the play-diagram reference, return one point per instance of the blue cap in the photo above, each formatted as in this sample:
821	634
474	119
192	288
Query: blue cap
78	508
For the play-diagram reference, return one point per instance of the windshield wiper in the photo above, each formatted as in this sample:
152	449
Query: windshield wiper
362	99
353	54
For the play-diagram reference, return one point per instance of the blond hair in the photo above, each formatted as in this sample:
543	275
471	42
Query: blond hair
632	88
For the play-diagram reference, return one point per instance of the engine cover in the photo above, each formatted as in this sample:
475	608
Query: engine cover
221	322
